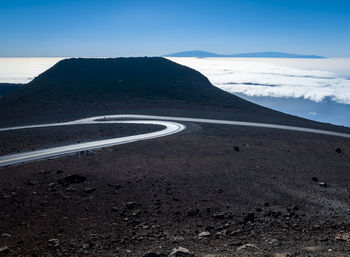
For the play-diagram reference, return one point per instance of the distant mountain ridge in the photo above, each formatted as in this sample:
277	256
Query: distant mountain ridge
203	54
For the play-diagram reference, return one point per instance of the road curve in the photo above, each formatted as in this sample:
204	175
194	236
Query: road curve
170	123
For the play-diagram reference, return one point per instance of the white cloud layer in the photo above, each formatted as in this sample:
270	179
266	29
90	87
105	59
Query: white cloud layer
23	70
275	78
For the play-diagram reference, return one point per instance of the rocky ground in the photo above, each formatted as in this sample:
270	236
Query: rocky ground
214	190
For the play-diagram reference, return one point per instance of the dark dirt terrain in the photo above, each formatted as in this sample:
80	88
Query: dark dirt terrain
217	190
254	192
14	141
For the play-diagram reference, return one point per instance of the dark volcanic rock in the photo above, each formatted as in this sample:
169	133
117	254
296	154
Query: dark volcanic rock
4	250
315	179
250	217
130	205
153	254
219	215
181	252
72	179
59	171
339	150
89	190
323	184
192	213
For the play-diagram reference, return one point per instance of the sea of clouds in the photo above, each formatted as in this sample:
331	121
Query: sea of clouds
23	70
311	79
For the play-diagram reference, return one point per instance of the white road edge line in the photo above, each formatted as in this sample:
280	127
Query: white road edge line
171	127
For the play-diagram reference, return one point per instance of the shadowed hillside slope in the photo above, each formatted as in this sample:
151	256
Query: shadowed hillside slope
7	88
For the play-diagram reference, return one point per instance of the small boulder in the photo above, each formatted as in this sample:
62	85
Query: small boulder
54	242
338	150
343	237
193	212
323	184
130	205
180	252
59	171
250	217
72	179
89	190
236	148
248	248
219	215
204	234
31	183
153	254
4	250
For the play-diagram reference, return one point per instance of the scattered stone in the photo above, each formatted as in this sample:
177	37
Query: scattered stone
313	248
6	235
72	179
54	242
90	152
51	185
339	150
236	232
31	183
323	184
250	217
89	190
85	246
116	186
273	242
130	205
114	209
236	243
342	237
247	247
295	208
219	215
236	148
282	255
59	171
4	250
153	254
180	252
136	213
192	213
204	234
71	189
44	172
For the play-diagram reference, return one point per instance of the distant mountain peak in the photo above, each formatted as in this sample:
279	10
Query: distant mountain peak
203	54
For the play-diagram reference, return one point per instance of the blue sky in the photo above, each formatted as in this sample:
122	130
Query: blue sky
138	28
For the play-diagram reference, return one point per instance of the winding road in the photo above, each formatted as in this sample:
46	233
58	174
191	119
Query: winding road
171	125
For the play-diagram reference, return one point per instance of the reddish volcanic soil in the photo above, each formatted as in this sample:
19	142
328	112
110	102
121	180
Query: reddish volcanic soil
254	192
